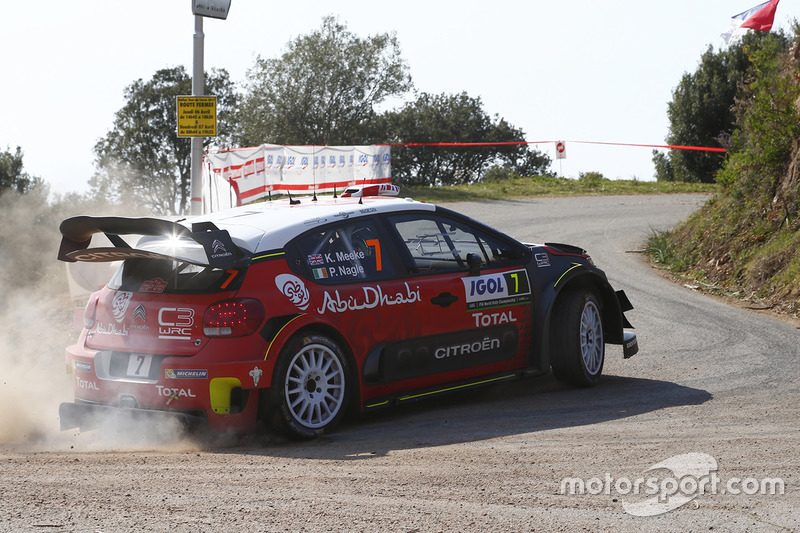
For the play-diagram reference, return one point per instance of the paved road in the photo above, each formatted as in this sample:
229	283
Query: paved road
713	394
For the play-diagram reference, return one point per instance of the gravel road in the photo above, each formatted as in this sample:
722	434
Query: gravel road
710	401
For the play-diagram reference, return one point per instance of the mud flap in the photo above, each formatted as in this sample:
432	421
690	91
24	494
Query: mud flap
630	345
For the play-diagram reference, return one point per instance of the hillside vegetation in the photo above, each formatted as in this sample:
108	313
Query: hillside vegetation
744	241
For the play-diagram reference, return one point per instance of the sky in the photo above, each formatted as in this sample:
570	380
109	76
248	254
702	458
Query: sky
571	70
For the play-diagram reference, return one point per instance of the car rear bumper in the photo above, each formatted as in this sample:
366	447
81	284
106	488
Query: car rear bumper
88	416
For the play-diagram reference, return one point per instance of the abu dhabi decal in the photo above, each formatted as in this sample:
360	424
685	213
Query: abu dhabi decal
120	304
293	288
495	290
111	329
370	298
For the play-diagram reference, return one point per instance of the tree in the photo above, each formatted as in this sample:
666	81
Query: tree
701	111
12	175
323	89
456	118
142	162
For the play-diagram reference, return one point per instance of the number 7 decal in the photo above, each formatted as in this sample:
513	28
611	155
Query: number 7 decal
375	243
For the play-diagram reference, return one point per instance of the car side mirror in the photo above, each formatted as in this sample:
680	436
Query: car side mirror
474	264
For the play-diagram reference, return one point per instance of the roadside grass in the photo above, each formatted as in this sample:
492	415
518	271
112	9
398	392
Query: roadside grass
589	184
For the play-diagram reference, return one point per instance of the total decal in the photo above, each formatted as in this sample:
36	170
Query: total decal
168	392
493	319
494	290
86	384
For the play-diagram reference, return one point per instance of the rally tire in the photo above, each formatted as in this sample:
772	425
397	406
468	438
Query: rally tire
310	387
578	347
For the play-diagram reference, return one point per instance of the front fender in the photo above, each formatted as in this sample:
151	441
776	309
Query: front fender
582	276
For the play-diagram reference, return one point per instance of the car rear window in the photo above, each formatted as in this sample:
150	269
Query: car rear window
165	276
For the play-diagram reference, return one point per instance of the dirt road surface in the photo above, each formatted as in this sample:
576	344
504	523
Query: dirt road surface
712	395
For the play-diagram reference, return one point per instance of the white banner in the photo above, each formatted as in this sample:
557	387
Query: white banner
335	165
251	173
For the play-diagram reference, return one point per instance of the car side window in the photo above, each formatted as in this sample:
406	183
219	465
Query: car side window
344	253
437	243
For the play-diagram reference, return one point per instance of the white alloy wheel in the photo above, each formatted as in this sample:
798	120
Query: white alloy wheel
591	332
314	386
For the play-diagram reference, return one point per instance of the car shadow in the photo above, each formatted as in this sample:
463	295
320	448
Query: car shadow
519	407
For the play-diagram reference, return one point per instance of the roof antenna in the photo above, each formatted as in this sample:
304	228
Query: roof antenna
292	201
334	192
270	195
314	155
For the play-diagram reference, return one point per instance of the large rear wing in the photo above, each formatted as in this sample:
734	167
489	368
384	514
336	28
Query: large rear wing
204	244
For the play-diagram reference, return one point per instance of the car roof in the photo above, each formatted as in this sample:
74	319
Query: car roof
270	225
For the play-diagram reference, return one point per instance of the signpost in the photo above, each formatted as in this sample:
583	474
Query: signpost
217	9
200	8
197	116
561	153
561	150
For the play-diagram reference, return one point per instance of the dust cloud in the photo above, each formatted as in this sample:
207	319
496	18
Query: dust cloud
36	325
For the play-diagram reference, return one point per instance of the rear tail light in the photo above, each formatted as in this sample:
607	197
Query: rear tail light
90	312
233	318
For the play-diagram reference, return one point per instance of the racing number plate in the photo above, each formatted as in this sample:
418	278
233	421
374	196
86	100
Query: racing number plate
139	365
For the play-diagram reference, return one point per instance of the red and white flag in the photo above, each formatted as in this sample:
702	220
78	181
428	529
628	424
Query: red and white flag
757	18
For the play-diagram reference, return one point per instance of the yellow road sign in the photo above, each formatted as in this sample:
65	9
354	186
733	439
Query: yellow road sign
197	116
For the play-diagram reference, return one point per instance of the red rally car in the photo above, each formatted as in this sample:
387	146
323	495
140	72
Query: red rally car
293	313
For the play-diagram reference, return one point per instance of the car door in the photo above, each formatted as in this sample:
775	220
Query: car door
474	300
357	284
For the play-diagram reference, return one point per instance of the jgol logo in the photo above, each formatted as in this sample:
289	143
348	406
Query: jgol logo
505	288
